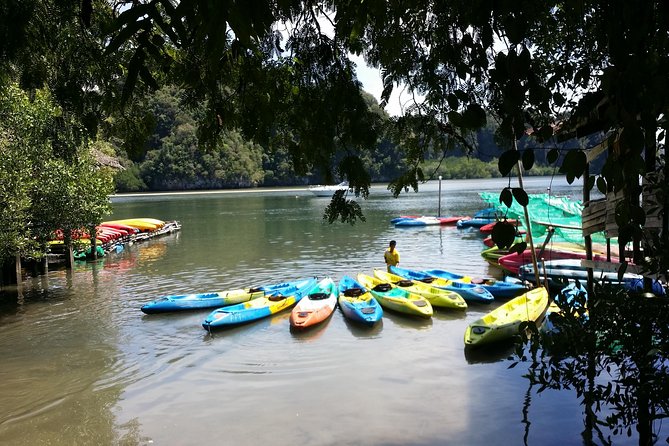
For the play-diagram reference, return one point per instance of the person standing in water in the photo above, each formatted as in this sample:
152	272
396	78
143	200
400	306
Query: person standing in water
391	256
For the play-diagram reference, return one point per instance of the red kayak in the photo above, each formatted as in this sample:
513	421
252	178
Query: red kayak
512	262
452	220
488	228
128	229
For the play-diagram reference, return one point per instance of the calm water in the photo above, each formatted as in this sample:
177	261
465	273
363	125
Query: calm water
80	364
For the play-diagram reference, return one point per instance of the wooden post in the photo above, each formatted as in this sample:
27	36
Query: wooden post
527	221
588	237
69	256
94	244
19	278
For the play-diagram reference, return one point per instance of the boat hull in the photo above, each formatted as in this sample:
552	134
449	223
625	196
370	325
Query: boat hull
504	322
316	306
396	299
357	303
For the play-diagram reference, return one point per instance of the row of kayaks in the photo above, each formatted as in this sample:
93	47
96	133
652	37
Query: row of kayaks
361	300
108	231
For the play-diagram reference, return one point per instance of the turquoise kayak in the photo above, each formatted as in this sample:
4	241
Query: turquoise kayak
272	302
217	299
357	303
468	291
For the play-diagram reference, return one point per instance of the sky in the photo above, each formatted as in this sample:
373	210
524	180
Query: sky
372	84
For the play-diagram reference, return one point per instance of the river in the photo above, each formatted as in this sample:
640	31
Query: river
81	364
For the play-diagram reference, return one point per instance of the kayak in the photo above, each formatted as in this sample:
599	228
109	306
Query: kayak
489	213
447	275
396	299
426	221
504	321
316	306
438	297
498	288
127	228
357	303
419	221
403	217
475	222
513	261
559	272
274	301
198	301
143	224
468	291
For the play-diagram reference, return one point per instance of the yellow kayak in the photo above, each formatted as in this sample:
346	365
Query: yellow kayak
438	297
395	298
143	224
504	321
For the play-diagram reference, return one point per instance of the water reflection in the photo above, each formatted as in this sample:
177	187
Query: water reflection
486	354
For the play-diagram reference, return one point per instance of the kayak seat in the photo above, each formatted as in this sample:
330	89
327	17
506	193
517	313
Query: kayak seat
427	280
405	283
255	289
382	287
318	296
353	292
277	298
368	310
478	281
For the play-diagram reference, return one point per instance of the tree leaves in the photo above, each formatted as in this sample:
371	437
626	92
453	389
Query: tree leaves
503	234
507	161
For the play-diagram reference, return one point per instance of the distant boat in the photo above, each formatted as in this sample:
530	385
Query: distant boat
328	190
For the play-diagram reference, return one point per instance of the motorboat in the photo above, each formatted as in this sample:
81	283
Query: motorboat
328	190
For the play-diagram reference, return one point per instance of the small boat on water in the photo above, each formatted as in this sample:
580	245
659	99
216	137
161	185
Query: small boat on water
357	303
504	321
216	299
560	272
503	289
260	307
396	299
468	291
438	297
513	261
328	190
426	220
316	306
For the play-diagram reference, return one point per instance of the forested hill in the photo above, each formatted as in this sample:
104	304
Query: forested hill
172	159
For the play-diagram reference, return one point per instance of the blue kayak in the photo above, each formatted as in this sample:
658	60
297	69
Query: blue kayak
489	213
357	303
274	300
198	301
468	291
475	222
498	288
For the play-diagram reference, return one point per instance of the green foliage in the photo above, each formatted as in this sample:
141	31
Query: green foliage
48	181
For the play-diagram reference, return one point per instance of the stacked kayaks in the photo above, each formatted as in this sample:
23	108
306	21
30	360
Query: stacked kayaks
112	235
